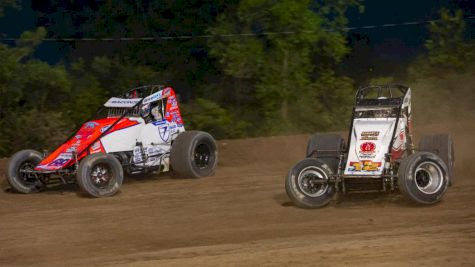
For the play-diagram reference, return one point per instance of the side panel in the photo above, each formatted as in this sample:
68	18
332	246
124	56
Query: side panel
156	137
370	139
400	139
123	139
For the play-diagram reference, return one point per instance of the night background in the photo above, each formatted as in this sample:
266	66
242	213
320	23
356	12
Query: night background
290	83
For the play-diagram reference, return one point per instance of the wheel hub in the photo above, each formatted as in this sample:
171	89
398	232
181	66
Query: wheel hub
26	176
429	177
313	181
202	156
100	175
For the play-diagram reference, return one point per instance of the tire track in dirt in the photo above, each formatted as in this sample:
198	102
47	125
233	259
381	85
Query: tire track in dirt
242	217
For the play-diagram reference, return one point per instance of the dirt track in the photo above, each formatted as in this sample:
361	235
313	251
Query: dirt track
241	216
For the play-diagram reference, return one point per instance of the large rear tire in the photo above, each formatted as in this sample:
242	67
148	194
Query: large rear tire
194	154
422	177
326	147
100	175
19	180
443	146
307	183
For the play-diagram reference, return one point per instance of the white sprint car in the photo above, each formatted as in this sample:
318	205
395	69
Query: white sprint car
380	155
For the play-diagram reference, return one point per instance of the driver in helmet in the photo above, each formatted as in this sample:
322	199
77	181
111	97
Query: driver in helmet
156	113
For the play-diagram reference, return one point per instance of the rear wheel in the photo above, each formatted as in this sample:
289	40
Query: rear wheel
100	175
18	175
422	177
194	154
326	147
443	146
308	183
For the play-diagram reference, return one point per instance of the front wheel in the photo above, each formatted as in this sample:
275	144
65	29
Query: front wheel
19	176
308	183
100	175
423	178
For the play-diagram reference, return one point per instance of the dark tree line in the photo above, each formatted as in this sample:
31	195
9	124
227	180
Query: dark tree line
248	85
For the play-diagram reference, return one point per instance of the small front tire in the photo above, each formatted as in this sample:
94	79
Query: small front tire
100	175
308	183
19	180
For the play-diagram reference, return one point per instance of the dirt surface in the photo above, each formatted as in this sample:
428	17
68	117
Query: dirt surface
241	217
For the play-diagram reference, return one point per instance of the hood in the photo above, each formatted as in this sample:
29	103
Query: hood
82	143
370	140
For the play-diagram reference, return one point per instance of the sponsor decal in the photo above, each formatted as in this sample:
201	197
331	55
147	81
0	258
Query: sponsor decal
153	97
74	147
164	133
369	135
399	141
122	102
367	148
152	151
71	149
105	128
91	125
156	123
137	154
365	165
96	147
173	104
62	159
44	166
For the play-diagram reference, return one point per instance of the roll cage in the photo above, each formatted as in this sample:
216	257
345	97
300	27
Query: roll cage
381	101
381	95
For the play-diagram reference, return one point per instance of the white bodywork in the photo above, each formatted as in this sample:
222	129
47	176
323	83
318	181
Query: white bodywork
371	138
124	139
150	142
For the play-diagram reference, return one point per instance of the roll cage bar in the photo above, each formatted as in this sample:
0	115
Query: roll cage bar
381	95
141	91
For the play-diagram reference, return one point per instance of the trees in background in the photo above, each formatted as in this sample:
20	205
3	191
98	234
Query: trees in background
447	46
282	64
31	96
279	76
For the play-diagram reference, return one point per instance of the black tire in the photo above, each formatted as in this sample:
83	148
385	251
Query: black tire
194	154
22	182
100	175
422	177
326	142
443	146
307	184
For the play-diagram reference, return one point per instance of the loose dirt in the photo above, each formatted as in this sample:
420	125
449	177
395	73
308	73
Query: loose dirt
241	217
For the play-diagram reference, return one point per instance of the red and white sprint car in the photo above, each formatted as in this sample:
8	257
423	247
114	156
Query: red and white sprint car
140	131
